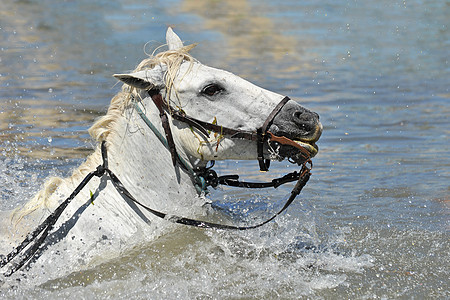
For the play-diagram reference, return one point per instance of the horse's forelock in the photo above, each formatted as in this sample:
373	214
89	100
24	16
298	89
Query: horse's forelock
172	60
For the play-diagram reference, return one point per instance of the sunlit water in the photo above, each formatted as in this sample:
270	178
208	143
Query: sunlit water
373	222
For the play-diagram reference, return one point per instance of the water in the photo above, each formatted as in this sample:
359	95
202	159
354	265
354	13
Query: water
373	222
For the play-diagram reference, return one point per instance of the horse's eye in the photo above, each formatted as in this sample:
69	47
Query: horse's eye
212	89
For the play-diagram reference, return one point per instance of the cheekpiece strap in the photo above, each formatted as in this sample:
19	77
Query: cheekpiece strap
262	135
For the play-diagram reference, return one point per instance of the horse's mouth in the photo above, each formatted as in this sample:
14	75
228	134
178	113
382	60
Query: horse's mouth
296	150
309	144
302	152
311	147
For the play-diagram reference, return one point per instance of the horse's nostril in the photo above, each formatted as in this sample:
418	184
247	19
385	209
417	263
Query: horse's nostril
305	116
297	114
306	121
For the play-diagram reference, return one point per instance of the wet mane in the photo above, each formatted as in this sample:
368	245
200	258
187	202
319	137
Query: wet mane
105	125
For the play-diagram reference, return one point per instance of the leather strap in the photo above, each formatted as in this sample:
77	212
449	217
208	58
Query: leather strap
262	135
159	102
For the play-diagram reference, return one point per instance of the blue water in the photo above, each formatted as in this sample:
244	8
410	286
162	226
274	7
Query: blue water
377	206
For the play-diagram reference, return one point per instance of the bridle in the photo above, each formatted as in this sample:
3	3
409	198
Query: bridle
260	135
207	177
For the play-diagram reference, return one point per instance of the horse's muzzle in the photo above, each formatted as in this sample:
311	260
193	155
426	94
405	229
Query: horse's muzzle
299	125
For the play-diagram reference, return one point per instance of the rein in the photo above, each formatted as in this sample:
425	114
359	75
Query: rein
202	178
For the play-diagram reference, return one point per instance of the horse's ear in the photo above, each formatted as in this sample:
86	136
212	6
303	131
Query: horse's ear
145	80
173	41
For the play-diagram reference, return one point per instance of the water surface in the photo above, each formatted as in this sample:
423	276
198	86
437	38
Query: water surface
373	221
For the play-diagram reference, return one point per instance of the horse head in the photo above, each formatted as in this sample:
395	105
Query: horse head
219	97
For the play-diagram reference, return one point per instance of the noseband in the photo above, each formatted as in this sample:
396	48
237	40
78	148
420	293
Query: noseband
261	135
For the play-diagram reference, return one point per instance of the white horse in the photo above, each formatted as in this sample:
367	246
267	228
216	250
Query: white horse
99	224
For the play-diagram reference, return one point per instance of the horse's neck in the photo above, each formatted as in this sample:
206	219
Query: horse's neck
99	216
142	162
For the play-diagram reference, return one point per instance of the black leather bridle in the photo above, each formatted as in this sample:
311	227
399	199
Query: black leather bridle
261	135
